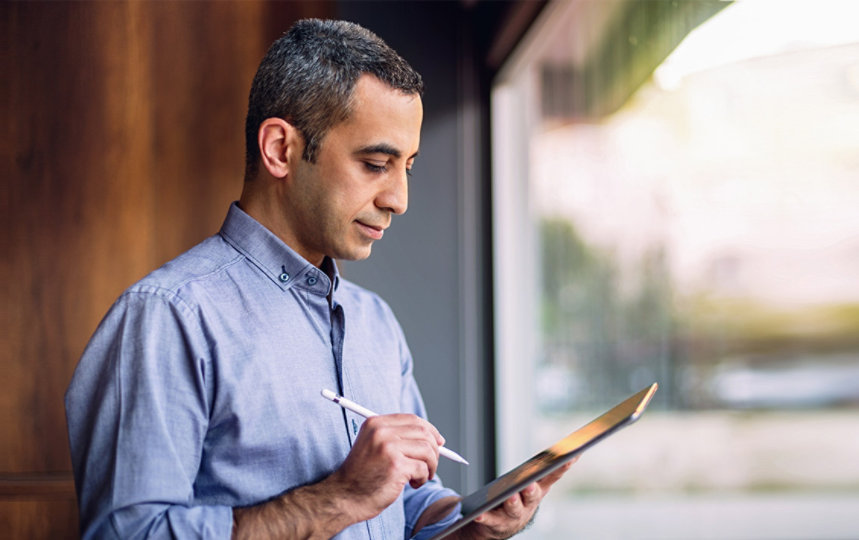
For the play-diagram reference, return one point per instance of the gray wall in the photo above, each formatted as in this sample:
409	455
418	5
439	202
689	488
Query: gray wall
432	265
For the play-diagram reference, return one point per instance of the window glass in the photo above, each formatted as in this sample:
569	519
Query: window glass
676	199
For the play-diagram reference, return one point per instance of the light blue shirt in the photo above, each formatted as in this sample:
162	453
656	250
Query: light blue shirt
200	391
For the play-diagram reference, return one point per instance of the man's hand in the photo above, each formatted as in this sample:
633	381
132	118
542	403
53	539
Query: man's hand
389	452
515	513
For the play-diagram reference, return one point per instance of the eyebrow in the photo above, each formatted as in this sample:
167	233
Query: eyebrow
383	148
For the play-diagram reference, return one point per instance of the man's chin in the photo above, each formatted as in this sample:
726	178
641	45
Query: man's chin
356	254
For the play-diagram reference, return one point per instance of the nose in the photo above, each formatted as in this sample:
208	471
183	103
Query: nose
394	197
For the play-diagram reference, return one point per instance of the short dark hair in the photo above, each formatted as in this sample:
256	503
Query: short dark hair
307	78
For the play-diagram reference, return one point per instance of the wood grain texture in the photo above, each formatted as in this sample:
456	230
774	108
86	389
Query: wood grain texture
122	146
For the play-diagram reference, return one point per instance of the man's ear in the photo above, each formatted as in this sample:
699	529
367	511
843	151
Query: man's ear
275	137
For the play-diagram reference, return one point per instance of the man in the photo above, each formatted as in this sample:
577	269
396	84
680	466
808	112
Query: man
195	409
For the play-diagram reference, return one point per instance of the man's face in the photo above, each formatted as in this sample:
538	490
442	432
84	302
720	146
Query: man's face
341	204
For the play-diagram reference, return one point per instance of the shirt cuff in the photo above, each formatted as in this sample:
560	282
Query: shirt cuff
416	511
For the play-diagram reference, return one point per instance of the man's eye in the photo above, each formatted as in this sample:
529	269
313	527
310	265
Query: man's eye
372	167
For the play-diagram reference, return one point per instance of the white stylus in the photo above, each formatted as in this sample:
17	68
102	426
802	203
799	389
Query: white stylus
367	413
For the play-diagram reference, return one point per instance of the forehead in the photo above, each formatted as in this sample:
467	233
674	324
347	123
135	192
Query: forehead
380	115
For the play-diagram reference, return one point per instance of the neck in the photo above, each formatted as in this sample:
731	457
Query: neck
260	200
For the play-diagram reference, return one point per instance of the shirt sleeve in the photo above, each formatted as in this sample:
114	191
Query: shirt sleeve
418	500
137	412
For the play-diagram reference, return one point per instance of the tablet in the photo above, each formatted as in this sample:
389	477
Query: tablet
495	492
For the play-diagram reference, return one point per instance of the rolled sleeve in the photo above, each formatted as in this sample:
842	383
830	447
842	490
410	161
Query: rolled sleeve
416	501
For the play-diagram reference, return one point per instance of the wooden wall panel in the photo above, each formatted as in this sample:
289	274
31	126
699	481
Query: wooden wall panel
122	146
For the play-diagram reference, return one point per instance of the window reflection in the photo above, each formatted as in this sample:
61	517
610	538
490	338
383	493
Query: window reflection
692	202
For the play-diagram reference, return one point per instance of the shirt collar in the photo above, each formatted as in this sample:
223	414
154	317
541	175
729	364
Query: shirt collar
274	258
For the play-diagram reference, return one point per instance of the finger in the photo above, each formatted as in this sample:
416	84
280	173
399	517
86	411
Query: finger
409	461
531	495
407	427
419	443
420	473
412	426
407	436
380	429
500	523
422	452
514	506
396	443
547	481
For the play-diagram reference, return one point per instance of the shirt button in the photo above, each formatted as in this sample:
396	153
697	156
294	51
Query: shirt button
284	277
311	280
